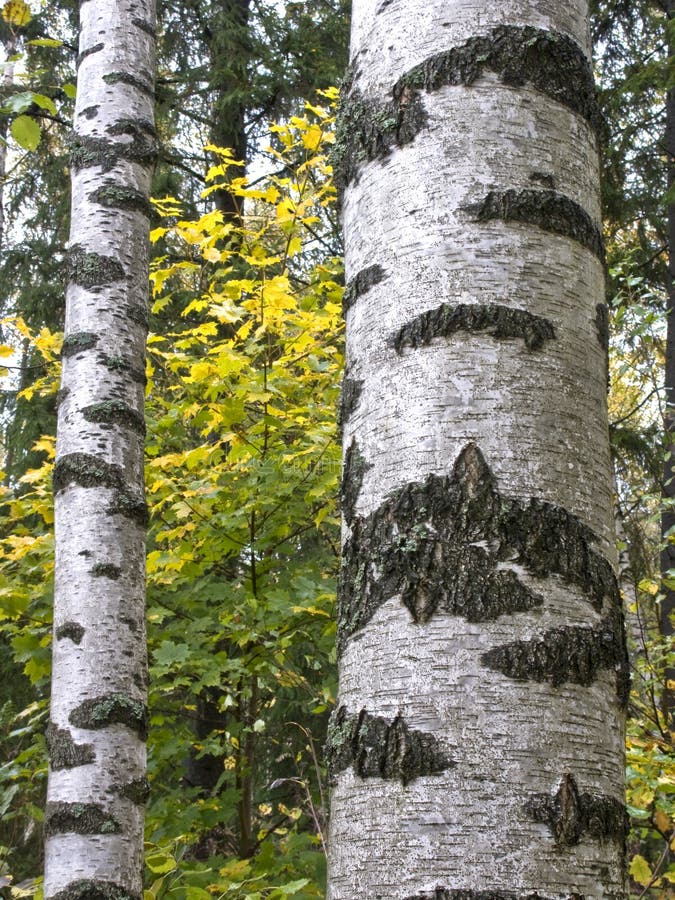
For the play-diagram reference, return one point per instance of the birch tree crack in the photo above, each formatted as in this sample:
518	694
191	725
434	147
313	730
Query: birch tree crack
437	545
501	322
382	748
553	63
572	815
545	209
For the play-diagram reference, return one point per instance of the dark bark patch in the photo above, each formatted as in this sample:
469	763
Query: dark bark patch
64	753
115	709
61	395
77	342
147	27
80	818
138	314
553	63
88	151
444	894
92	270
602	325
438	543
350	395
131	506
115	412
86	470
144	85
95	48
552	212
72	630
106	570
86	889
137	790
382	748
120	196
502	322
572	815
353	471
122	365
90	112
573	654
360	284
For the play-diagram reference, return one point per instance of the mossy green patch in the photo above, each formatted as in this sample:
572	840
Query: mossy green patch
76	342
119	196
92	270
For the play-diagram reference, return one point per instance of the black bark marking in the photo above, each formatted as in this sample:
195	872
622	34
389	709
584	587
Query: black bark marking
350	395
602	325
437	544
115	709
106	570
80	818
552	63
502	322
137	790
122	365
88	471
96	151
115	412
353	471
144	85
90	112
95	48
382	748
119	196
360	283
72	630
86	889
573	654
572	815
147	27
61	395
138	314
444	894
64	753
76	342
92	270
552	212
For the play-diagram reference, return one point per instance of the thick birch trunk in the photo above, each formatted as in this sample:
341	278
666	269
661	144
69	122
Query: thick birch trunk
97	787
476	753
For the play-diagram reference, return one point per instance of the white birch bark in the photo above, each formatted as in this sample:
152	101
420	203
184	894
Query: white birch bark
97	787
477	749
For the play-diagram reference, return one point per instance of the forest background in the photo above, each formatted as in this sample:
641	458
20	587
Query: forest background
242	455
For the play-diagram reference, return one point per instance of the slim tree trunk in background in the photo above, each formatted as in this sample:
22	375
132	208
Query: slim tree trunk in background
667	608
97	787
477	748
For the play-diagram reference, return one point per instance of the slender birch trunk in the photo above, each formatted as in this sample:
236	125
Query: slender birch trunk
477	749
96	737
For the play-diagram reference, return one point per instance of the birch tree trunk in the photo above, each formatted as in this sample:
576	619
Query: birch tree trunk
476	751
96	737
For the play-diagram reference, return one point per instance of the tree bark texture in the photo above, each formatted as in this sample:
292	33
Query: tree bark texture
476	752
96	736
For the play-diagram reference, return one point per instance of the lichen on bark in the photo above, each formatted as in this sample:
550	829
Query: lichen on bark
64	753
118	196
120	364
131	506
438	545
76	343
79	818
549	210
115	412
114	709
502	322
143	84
572	654
572	815
137	790
88	151
86	470
106	570
362	282
92	270
72	630
353	471
88	889
382	748
462	894
553	63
